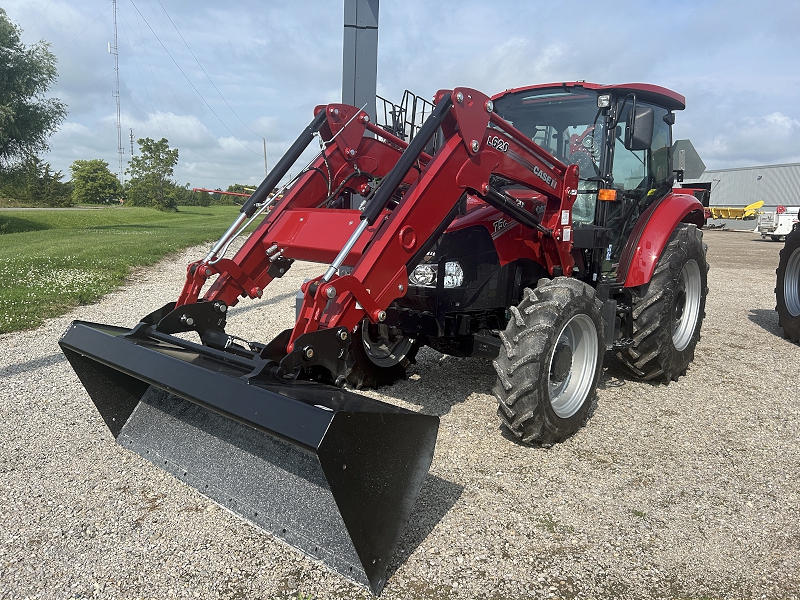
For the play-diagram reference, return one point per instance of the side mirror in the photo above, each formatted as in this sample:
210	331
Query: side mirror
639	128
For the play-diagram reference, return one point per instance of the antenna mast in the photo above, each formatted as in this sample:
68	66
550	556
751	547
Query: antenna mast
120	149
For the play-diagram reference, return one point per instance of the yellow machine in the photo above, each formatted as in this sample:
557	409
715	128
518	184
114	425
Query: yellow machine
748	212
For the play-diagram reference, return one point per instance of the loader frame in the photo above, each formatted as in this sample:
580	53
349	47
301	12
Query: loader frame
404	215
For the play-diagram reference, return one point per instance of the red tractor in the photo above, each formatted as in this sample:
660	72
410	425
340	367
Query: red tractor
538	229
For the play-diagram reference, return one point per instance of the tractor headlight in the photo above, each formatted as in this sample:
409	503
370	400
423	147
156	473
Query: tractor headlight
424	275
453	275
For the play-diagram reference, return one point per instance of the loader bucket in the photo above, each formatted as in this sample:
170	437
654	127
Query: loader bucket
332	473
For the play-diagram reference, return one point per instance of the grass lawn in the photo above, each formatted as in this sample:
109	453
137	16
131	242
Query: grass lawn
52	260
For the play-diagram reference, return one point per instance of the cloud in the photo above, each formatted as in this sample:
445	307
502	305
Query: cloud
180	130
271	62
769	139
71	129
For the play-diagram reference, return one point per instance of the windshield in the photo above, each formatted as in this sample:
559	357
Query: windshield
567	123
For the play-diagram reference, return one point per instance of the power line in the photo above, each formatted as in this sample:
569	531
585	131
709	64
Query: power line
141	77
132	100
206	74
82	30
25	31
95	82
164	80
165	127
190	82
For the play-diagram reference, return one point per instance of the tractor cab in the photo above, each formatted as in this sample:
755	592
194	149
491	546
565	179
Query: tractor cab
619	136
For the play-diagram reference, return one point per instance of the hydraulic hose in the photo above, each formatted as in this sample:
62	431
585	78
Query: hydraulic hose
507	206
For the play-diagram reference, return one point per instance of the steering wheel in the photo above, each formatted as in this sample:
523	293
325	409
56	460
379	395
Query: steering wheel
585	164
582	150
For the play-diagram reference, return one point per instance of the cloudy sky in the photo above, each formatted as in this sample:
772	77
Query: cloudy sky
215	78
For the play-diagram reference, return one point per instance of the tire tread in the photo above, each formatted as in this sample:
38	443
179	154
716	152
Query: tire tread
522	383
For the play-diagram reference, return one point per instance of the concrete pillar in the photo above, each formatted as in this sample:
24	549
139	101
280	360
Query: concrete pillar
360	56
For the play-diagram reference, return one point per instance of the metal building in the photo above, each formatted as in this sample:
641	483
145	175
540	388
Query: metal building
776	185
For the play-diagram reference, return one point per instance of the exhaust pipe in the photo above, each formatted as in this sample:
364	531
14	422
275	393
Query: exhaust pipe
332	473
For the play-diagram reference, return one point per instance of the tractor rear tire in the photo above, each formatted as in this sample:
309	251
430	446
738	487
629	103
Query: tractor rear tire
379	361
668	311
550	361
787	287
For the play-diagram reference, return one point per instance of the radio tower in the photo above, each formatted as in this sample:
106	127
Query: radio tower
120	149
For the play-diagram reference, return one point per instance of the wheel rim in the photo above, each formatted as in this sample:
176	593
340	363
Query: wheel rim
791	284
687	305
382	352
573	365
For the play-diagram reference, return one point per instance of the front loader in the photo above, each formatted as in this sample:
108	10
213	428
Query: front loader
537	229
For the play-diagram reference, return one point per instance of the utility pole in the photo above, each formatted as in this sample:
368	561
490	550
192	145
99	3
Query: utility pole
131	142
266	170
360	60
360	54
120	149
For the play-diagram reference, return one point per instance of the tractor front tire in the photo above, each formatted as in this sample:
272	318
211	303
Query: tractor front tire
787	287
379	360
668	311
550	361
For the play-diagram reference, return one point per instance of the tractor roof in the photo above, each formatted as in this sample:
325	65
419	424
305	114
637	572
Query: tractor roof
644	91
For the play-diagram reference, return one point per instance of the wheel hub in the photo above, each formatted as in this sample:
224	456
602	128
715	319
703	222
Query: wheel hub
384	350
686	305
562	363
791	284
680	305
573	365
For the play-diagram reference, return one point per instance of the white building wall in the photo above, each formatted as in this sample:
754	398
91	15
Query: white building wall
774	184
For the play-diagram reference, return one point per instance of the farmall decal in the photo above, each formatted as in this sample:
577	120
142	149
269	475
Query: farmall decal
499	225
502	226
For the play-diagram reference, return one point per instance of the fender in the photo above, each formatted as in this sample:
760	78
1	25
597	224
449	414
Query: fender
651	234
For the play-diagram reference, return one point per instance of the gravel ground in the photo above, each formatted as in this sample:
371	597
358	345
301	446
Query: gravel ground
681	491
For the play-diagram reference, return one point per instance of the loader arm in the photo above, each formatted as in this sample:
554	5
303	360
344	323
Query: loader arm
415	198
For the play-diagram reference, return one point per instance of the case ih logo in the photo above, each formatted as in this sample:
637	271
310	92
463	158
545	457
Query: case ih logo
544	177
535	169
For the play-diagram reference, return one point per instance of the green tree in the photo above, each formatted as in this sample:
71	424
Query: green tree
27	118
34	184
151	173
184	196
241	189
93	183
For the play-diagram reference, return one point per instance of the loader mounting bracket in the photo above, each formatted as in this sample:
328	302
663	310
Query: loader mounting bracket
201	317
279	267
318	355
